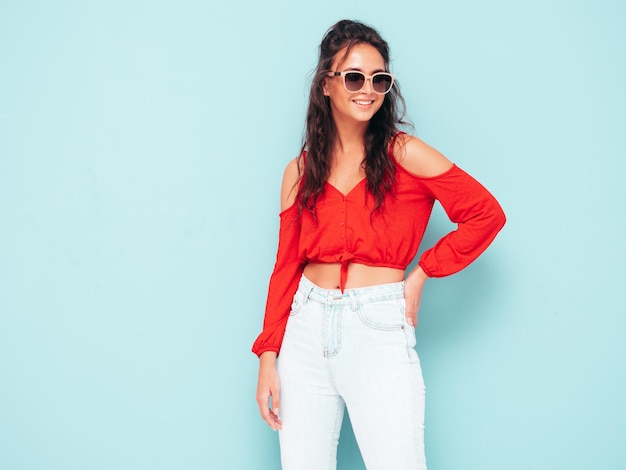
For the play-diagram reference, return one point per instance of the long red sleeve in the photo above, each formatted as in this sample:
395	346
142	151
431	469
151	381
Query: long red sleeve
477	213
283	283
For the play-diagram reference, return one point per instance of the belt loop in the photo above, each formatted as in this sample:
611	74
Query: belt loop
328	298
353	300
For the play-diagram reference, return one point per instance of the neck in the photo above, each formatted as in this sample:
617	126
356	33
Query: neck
350	140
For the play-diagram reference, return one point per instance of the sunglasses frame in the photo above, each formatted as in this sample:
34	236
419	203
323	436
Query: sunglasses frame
366	78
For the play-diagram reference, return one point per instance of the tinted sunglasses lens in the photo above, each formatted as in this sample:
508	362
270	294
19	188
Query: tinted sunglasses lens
381	82
354	81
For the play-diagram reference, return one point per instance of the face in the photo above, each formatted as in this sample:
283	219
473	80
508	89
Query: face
362	105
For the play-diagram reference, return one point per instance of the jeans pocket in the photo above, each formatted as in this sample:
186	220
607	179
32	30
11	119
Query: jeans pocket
297	303
386	315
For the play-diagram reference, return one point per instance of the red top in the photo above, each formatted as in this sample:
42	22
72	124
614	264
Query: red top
346	231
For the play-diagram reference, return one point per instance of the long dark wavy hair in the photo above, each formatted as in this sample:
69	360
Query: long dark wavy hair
320	131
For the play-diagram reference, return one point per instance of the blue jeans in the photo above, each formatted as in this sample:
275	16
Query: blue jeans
351	350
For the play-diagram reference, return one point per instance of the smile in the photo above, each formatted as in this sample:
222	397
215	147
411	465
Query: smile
363	103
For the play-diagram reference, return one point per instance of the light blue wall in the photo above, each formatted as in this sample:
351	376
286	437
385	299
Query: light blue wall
141	150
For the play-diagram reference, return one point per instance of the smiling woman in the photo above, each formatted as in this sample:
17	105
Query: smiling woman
353	95
341	308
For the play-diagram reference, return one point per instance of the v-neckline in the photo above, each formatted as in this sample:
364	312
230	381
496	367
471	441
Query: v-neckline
349	192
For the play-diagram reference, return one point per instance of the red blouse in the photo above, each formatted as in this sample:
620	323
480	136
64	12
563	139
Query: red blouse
346	231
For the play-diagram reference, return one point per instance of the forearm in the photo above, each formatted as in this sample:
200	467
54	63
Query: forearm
268	358
416	276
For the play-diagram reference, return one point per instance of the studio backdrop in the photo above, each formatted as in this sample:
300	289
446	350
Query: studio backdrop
142	145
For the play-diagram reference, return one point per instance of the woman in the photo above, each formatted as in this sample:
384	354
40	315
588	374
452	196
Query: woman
341	310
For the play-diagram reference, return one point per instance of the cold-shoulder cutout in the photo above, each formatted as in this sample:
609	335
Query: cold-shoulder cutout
418	158
447	172
289	188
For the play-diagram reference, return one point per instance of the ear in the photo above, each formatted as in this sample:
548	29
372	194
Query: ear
325	86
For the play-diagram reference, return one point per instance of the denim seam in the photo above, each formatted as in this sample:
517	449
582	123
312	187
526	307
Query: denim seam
331	376
414	405
333	334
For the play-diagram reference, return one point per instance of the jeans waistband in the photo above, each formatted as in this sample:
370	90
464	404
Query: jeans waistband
376	293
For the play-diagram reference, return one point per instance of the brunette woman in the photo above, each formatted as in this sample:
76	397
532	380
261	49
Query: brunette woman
339	328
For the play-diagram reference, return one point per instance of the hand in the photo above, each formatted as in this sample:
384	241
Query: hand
413	286
269	387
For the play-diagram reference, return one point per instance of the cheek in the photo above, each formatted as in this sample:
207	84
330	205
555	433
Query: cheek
336	89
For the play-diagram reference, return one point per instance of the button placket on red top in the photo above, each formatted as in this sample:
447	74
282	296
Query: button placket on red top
343	220
345	257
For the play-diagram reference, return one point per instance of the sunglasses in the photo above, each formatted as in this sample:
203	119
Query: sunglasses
355	81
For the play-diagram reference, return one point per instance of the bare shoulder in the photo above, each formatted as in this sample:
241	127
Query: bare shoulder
420	158
289	189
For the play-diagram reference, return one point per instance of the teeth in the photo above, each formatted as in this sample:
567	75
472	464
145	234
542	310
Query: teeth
363	102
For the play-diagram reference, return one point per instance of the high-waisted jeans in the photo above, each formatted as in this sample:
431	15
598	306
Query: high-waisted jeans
351	350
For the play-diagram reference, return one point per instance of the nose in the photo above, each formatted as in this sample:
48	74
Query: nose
368	86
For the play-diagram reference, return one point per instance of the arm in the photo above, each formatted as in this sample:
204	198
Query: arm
287	269
268	387
284	281
466	202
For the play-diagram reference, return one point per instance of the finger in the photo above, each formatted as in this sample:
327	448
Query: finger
411	318
262	402
271	419
276	402
408	312
276	408
268	414
276	422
